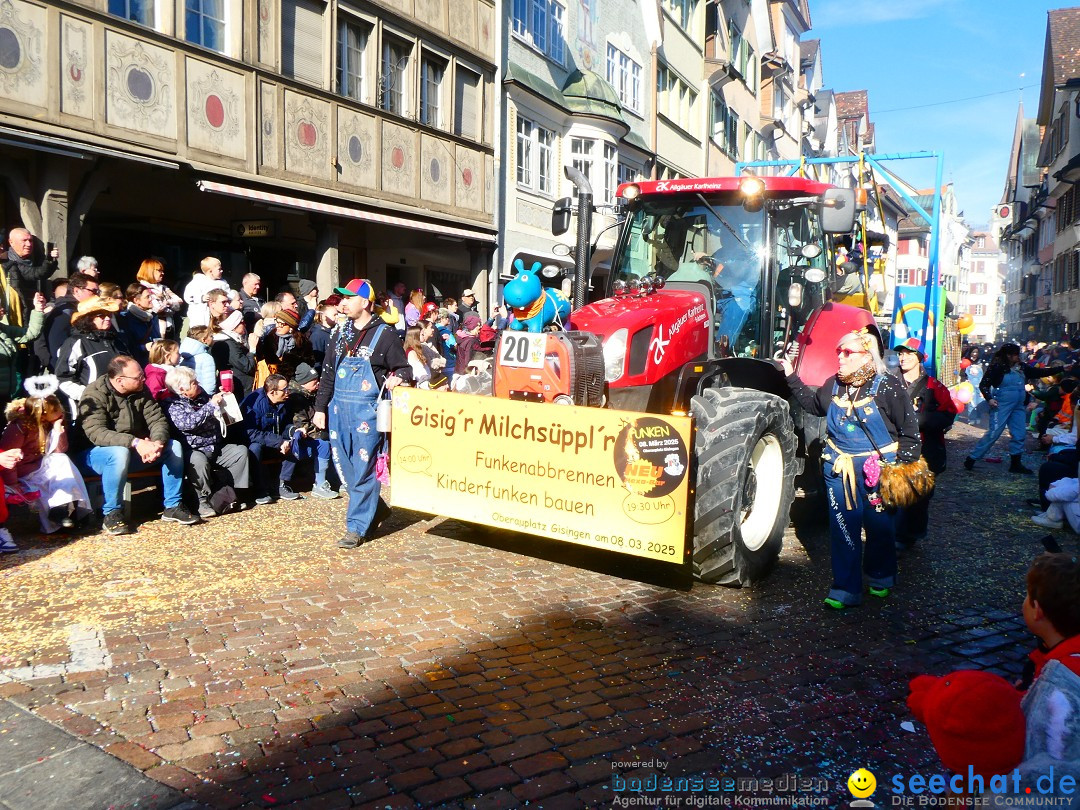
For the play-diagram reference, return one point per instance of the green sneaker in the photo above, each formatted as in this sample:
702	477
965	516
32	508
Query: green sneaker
835	604
880	593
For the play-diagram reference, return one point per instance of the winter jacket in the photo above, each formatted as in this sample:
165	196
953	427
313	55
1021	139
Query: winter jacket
1052	739
84	357
266	423
22	278
195	294
934	407
139	328
231	353
196	422
196	355
995	375
155	381
319	336
271	348
251	307
165	306
57	329
892	402
387	356
107	419
10	337
302	405
467	347
17	436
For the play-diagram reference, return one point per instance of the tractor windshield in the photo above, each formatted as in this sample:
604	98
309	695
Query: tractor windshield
694	240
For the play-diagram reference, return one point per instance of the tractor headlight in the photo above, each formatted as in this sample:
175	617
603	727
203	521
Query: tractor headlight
615	355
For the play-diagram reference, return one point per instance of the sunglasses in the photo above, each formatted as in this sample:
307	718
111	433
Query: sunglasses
844	354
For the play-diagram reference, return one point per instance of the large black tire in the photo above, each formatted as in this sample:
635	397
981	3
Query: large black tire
745	483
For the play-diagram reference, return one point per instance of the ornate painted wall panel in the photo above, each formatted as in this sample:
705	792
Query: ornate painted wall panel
307	136
398	160
436	168
216	110
485	16
76	67
269	129
489	184
357	149
23	73
463	21
140	84
267	29
432	12
469	191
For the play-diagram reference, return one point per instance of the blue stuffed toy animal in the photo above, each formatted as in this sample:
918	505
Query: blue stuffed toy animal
535	307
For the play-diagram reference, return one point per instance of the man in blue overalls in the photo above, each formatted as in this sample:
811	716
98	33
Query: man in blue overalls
363	358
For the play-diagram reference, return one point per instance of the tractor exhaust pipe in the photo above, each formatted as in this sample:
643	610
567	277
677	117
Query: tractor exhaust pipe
583	254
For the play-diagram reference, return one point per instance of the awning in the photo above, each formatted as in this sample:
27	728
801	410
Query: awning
341	211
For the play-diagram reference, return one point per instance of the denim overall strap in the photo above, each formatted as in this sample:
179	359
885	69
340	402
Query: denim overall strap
353	435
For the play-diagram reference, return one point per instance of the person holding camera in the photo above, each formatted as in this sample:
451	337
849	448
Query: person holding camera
24	269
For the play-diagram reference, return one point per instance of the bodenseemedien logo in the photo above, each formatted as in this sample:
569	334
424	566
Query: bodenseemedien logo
862	785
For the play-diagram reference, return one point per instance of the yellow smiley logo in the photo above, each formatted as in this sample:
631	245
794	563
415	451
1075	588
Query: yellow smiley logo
861	783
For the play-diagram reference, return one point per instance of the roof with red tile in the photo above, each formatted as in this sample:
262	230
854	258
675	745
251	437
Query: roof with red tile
852	104
1064	41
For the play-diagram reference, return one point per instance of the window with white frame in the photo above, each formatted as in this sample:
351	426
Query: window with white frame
903	275
204	23
682	11
582	151
432	71
140	11
535	157
302	40
352	43
627	173
742	56
725	127
624	75
466	102
675	99
393	75
611	172
540	23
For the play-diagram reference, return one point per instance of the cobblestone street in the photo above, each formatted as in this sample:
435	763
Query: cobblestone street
250	663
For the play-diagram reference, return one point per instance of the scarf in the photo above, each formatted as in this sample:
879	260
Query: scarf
859	377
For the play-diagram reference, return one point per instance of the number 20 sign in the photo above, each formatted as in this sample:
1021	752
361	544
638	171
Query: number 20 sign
522	349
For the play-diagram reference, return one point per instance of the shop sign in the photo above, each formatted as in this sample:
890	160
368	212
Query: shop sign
255	228
614	480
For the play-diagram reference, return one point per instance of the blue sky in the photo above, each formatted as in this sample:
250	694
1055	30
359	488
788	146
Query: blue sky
908	53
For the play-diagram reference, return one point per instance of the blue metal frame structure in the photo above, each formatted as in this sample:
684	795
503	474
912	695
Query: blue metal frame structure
933	218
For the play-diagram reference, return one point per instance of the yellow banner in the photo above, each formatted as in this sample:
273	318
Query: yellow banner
614	480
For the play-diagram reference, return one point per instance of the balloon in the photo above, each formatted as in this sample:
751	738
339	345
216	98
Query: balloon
965	321
967	387
963	395
900	331
964	364
967	330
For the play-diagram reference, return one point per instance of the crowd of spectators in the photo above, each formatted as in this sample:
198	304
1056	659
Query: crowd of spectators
203	384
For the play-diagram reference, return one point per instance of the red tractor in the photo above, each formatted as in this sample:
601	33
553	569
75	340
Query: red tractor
710	280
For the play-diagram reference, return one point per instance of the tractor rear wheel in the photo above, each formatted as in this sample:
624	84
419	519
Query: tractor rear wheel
746	463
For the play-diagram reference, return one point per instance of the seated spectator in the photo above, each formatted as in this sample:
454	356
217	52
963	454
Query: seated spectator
164	303
195	354
164	357
281	351
468	342
121	428
88	266
424	359
268	424
138	324
57	326
36	428
90	348
308	441
214	467
217	302
231	353
196	292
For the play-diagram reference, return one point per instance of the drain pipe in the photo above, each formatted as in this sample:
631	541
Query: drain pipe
583	254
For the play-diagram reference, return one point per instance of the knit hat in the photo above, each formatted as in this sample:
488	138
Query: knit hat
973	717
910	345
231	321
471	322
304	374
305	286
288	316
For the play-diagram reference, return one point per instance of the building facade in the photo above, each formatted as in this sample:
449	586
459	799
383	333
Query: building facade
295	138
